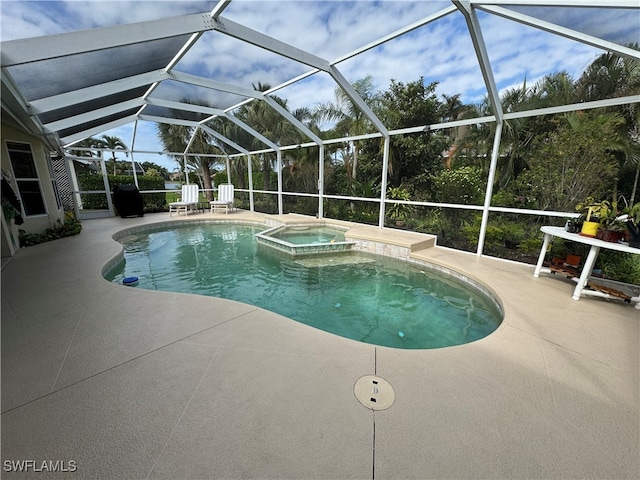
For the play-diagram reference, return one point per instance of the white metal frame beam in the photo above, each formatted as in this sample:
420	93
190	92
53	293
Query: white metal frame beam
369	46
479	46
97	130
253	132
214	112
293	120
561	3
34	49
224	139
481	53
189	107
562	31
213	84
360	103
234	89
172	63
398	33
219	8
74	97
611	102
245	34
93	115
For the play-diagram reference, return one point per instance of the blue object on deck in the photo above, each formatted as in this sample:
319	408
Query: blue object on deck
401	334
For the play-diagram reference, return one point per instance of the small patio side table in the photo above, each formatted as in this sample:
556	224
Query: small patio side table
596	245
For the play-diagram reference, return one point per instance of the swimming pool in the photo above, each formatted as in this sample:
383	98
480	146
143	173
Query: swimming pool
364	297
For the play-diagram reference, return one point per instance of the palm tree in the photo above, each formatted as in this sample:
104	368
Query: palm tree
453	109
113	143
88	143
265	120
302	163
350	120
611	75
518	133
175	138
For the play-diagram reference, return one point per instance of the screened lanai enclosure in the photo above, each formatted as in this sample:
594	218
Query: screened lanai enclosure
450	115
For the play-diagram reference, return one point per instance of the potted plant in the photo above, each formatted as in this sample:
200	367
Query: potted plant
558	252
590	213
399	212
633	225
612	226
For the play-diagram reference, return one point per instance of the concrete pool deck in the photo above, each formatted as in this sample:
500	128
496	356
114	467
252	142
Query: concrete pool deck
119	382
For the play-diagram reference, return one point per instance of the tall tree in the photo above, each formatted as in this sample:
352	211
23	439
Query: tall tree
350	120
610	76
90	142
452	107
413	158
261	117
302	163
573	162
175	138
114	143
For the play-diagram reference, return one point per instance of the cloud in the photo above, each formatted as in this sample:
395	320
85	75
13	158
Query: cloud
22	19
330	28
441	51
615	25
20	22
518	52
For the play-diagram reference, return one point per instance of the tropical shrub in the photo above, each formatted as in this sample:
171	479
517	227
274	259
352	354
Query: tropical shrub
464	185
70	227
623	267
398	212
571	163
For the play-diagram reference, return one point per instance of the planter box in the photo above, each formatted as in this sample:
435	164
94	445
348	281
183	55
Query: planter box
613	236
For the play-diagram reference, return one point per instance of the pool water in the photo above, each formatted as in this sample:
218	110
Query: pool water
368	298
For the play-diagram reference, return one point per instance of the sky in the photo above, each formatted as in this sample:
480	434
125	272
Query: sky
440	51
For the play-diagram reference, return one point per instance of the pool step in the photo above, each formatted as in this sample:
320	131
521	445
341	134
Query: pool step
412	241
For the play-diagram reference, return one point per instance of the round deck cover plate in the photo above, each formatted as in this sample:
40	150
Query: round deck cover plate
374	392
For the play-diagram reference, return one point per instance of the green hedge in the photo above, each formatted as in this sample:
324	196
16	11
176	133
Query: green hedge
153	202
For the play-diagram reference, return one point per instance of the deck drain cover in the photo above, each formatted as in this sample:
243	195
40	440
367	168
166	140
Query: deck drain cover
374	392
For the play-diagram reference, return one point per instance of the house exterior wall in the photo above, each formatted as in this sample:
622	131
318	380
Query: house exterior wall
33	223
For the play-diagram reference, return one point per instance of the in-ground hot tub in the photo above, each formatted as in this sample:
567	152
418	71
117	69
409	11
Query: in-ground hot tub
305	239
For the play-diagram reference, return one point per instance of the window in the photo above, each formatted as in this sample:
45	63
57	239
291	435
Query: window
24	170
